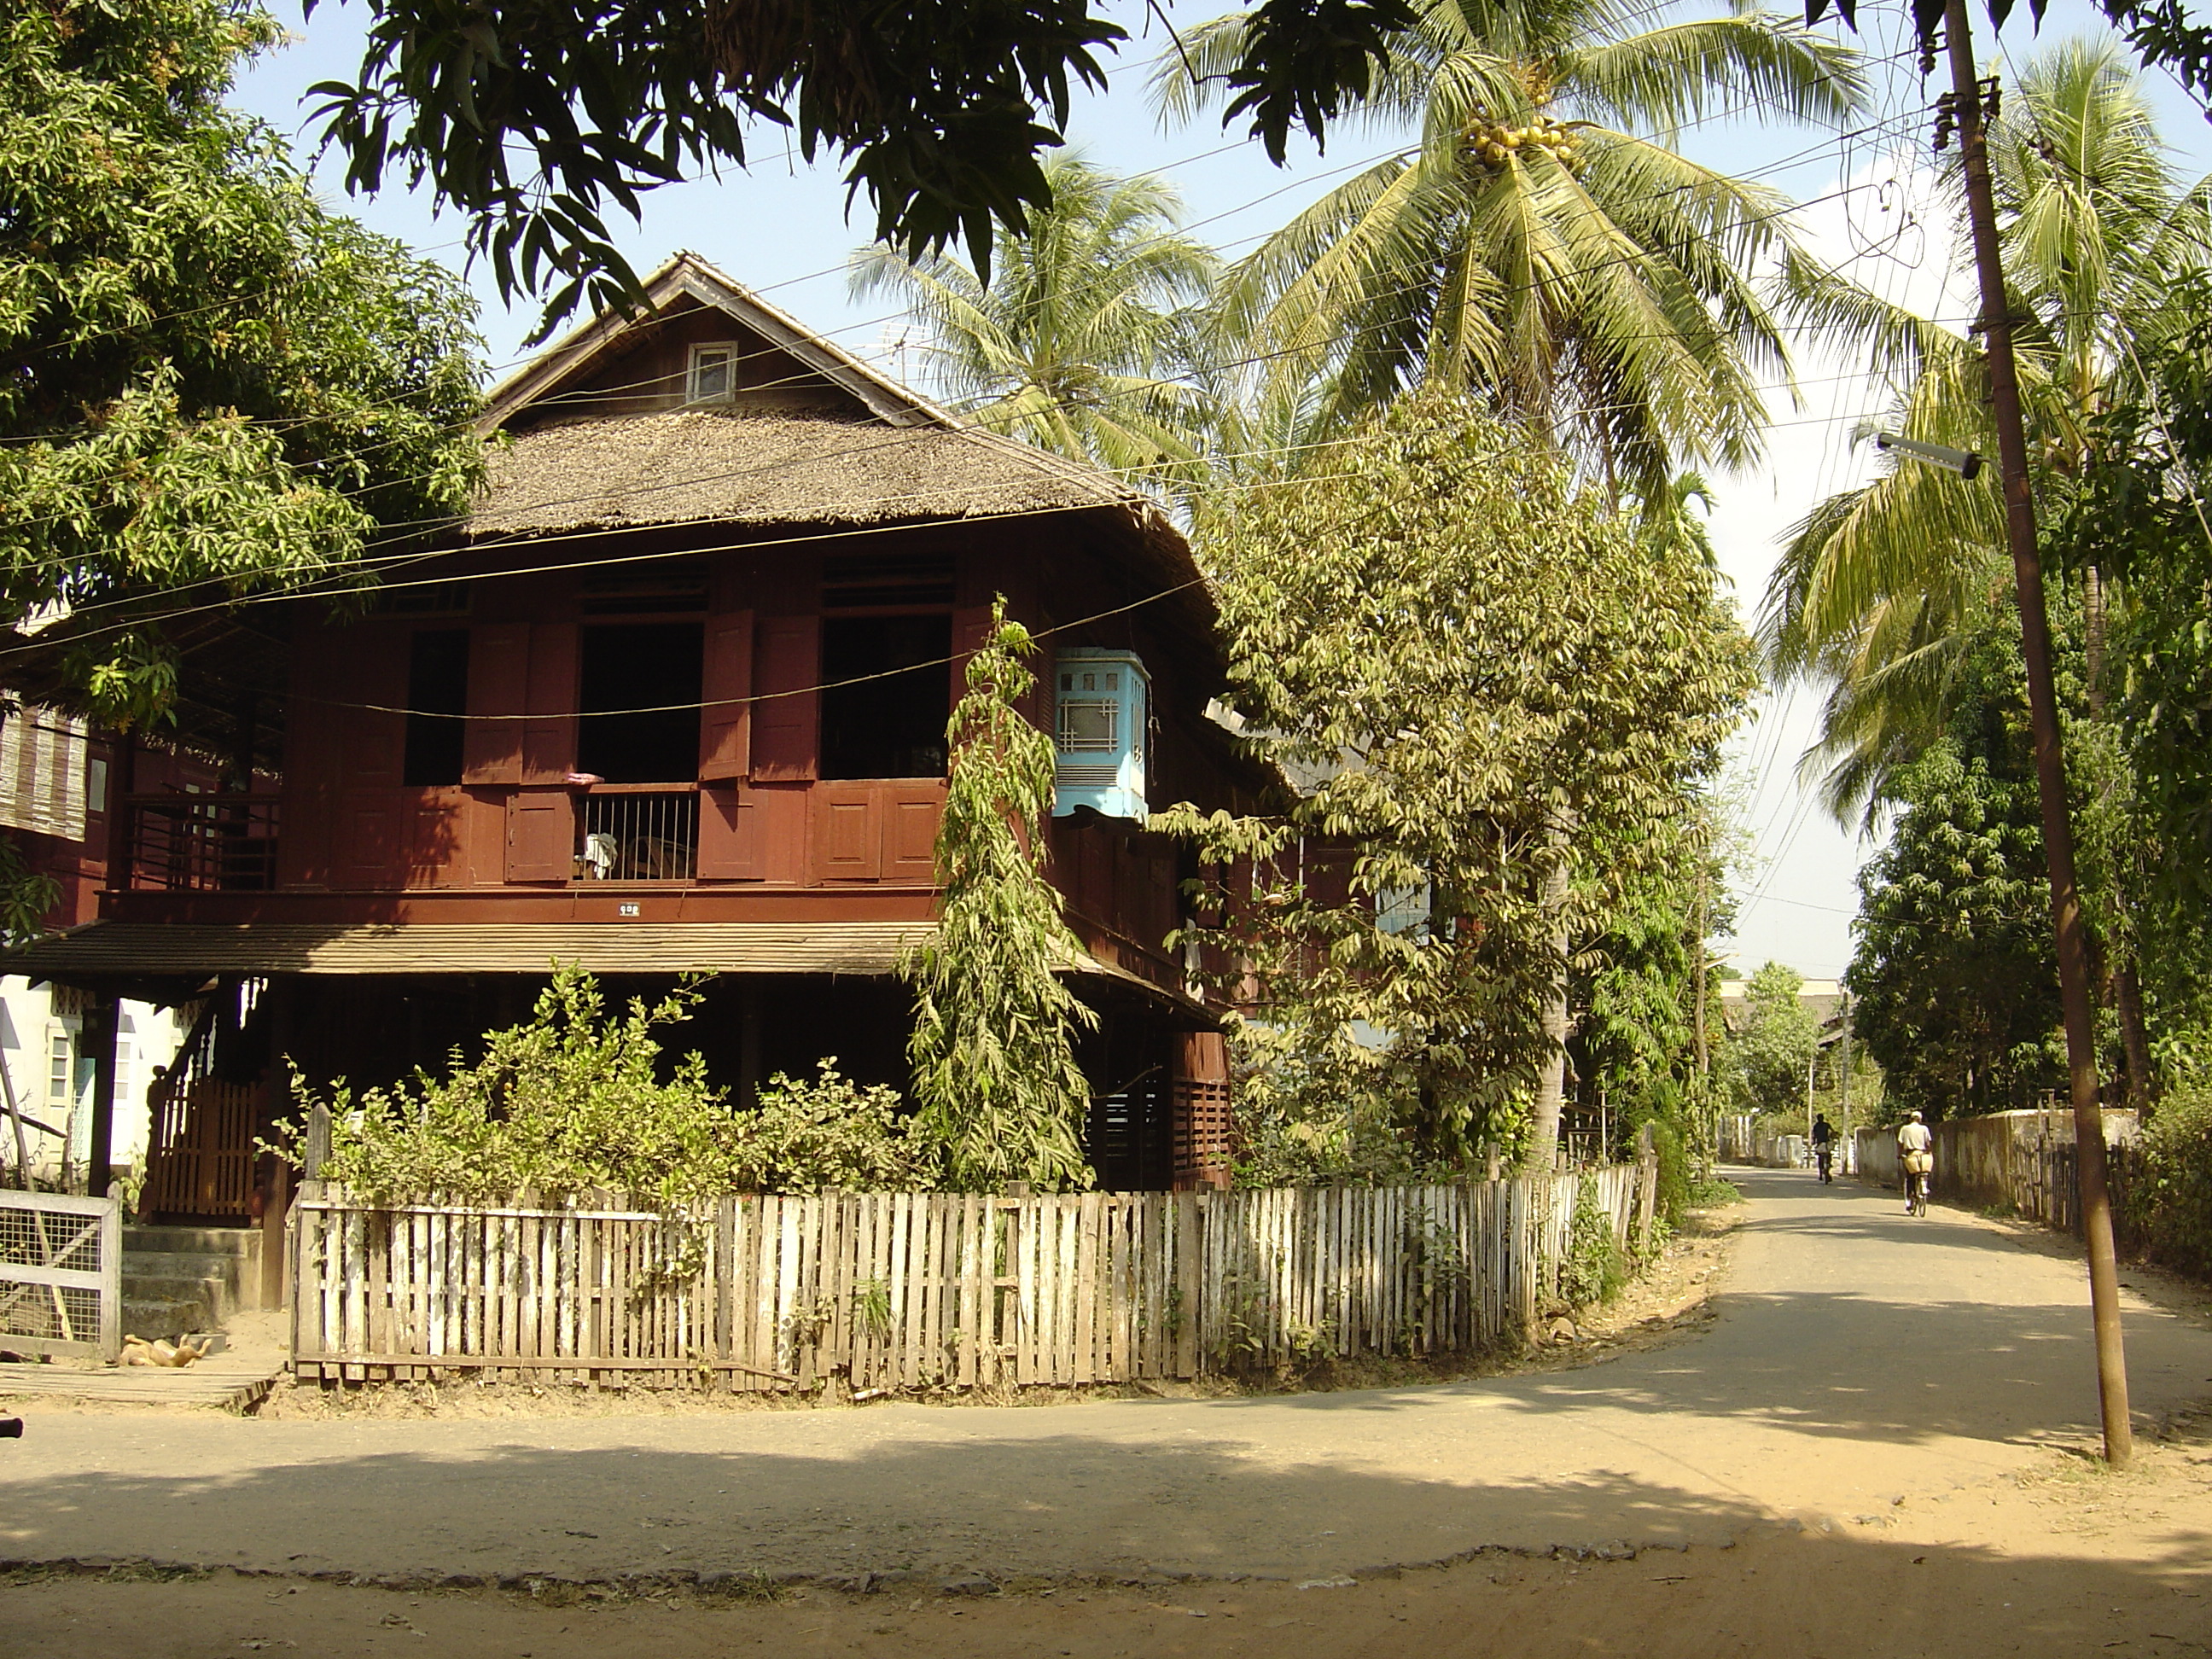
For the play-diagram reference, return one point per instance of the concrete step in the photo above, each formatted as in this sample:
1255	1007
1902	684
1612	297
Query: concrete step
169	1264
220	1300
156	1317
244	1242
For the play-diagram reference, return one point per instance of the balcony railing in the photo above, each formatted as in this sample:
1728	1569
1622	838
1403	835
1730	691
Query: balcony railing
201	843
629	835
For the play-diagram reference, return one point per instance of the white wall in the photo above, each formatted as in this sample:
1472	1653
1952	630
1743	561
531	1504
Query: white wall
39	1031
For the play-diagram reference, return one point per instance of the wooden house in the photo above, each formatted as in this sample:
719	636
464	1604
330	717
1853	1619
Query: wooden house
672	701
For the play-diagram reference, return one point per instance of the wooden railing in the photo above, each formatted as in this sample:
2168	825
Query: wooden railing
930	1291
201	843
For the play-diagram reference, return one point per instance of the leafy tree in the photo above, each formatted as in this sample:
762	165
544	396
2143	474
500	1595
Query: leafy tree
1770	1057
215	385
1073	343
1543	245
533	116
995	1070
1459	649
573	1099
1954	983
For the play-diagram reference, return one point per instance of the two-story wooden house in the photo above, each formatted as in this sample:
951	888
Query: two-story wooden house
673	700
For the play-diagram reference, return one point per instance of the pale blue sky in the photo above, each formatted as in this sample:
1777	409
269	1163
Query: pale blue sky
780	228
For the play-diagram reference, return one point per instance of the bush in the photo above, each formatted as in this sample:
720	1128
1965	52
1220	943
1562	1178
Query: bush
2172	1192
830	1131
572	1099
1595	1267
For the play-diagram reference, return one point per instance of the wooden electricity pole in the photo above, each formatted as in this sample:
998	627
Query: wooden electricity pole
2050	757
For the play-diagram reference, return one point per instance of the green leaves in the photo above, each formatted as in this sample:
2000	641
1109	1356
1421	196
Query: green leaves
995	1070
1543	246
573	1098
1454	650
1076	340
216	386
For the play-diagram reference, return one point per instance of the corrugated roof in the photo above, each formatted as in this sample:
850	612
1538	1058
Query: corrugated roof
117	950
144	949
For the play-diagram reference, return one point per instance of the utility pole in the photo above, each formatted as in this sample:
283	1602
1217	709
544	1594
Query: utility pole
2050	758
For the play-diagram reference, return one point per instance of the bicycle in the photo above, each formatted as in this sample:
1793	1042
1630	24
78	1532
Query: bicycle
1825	1155
1916	1184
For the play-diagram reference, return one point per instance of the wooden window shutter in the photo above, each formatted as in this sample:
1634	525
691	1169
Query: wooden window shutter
725	722
911	834
848	831
786	718
730	838
541	835
548	736
499	680
372	690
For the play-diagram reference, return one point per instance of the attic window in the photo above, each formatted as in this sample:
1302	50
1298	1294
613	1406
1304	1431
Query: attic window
714	374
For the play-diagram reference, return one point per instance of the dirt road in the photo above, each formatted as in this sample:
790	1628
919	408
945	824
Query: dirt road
1878	1413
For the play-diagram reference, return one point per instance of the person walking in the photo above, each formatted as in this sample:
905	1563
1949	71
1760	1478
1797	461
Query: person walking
1916	1158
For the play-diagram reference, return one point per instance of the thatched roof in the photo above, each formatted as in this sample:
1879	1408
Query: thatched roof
689	466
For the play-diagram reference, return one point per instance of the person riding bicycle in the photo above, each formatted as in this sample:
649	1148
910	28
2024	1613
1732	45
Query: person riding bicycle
1824	1144
1916	1158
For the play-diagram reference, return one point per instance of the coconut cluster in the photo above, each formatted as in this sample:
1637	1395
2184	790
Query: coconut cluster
1494	141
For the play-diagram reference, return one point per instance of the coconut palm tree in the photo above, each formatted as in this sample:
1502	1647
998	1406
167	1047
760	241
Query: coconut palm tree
1541	243
1882	589
1081	340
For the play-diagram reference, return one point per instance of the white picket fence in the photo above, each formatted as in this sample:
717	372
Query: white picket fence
928	1290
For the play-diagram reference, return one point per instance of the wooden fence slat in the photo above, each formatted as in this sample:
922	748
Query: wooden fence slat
1062	1290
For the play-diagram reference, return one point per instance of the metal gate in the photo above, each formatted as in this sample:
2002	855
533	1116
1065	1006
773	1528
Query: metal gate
61	1275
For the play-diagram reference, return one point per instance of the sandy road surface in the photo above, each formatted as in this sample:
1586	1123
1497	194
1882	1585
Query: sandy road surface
1860	1357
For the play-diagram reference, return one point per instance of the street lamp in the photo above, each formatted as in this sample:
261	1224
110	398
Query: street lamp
1964	462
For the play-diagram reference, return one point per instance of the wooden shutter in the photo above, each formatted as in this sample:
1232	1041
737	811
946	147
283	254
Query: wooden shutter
911	836
499	681
548	736
731	842
369	838
375	672
541	835
725	721
787	719
848	832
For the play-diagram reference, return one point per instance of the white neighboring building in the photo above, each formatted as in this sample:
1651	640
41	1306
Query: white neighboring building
54	807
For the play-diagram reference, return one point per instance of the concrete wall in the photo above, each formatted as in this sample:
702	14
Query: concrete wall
2020	1160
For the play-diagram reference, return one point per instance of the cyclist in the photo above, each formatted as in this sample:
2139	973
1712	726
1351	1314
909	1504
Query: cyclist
1916	1158
1824	1145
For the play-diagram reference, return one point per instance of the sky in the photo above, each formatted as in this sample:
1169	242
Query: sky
1868	204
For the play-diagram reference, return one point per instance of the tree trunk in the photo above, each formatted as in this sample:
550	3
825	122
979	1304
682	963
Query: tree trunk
2135	1033
1552	1071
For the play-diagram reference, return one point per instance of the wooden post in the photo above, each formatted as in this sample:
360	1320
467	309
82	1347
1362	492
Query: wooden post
2068	926
100	1023
15	1117
317	1150
273	1256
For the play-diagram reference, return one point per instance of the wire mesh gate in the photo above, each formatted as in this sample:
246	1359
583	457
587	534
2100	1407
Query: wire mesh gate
61	1275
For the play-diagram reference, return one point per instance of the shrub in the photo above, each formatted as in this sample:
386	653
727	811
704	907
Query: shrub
573	1099
829	1131
2172	1191
1595	1268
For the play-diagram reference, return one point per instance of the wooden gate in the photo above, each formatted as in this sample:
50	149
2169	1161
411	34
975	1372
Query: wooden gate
200	1159
61	1274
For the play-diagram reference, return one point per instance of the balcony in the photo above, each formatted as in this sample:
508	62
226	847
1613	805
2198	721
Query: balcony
200	843
638	832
